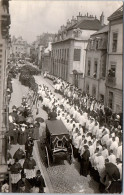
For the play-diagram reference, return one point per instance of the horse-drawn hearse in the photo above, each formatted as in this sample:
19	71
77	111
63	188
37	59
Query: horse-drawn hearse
57	142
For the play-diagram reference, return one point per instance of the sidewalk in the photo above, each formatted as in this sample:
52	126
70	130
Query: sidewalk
16	99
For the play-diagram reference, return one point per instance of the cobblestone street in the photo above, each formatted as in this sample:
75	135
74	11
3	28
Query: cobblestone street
61	177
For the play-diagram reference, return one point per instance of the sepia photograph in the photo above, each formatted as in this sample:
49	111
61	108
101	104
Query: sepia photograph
61	97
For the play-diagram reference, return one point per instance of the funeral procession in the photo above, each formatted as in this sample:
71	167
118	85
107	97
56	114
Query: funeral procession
61	97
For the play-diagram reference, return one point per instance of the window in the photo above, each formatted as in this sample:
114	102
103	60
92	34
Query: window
77	53
87	88
113	68
114	42
94	91
103	69
118	108
102	97
67	53
89	65
92	44
110	103
112	71
97	44
95	69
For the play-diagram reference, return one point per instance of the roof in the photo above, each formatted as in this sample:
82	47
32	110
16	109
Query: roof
117	14
102	30
56	127
86	24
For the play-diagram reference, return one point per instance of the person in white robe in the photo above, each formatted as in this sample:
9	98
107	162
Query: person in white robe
98	145
95	128
88	137
104	152
100	163
91	125
82	120
91	148
93	157
81	129
112	157
105	138
99	133
109	142
77	140
81	143
119	151
114	146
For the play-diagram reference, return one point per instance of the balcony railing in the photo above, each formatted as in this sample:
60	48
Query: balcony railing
110	81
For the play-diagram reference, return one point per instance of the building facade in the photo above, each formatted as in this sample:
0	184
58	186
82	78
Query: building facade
19	48
69	48
95	71
114	95
4	42
46	58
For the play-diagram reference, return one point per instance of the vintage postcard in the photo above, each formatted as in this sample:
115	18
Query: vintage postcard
61	114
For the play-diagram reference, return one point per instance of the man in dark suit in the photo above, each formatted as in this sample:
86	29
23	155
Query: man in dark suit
39	182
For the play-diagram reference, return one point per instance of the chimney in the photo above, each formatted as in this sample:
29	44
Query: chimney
102	19
62	28
79	17
68	23
73	20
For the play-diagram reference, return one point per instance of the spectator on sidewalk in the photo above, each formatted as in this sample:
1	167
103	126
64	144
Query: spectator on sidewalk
15	170
29	168
23	185
20	155
29	146
39	181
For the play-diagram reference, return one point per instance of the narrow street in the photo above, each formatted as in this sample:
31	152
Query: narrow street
61	177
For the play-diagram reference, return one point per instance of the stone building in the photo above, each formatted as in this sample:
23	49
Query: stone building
4	44
69	48
46	58
95	70
114	95
19	48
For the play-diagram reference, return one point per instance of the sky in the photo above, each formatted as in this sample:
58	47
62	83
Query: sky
30	18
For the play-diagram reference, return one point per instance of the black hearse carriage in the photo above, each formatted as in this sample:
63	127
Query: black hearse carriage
57	141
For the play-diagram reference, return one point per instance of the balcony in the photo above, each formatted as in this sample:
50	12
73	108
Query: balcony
110	81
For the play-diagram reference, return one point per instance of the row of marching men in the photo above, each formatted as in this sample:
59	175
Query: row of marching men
94	145
96	108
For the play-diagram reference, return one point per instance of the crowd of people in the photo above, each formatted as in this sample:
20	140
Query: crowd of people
95	133
23	130
97	142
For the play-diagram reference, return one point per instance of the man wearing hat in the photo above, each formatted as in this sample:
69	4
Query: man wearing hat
84	163
15	174
29	168
29	146
23	185
31	131
20	155
39	181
